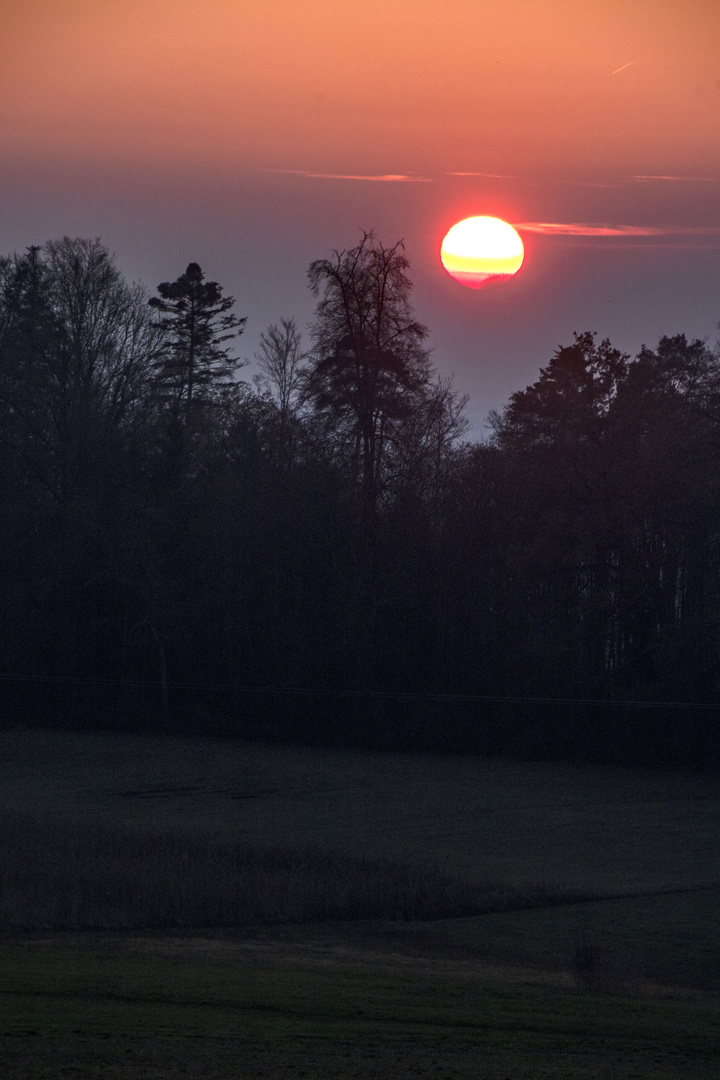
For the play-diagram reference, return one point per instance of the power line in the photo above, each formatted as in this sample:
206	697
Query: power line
390	695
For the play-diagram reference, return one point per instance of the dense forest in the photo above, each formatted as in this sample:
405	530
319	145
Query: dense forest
320	554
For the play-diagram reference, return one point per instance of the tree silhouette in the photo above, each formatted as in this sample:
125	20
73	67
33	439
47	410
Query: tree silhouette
76	348
369	369
176	542
281	361
562	407
195	322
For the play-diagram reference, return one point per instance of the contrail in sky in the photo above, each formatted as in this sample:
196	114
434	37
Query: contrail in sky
623	67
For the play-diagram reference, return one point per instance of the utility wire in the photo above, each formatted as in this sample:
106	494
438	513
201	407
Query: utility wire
391	695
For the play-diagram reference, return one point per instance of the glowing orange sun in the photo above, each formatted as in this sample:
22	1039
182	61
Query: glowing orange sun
479	250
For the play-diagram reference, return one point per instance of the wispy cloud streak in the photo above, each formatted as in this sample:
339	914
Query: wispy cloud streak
533	180
485	175
576	228
681	179
618	70
385	178
549	228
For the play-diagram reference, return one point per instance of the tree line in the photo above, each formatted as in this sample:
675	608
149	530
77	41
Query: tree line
321	554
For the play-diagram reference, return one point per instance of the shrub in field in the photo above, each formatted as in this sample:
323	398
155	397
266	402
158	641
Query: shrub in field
601	968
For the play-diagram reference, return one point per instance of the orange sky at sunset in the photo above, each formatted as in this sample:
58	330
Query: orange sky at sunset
254	135
374	87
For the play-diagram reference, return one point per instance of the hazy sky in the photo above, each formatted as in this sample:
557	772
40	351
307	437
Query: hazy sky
253	136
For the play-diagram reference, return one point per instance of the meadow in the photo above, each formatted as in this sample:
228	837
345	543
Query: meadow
186	907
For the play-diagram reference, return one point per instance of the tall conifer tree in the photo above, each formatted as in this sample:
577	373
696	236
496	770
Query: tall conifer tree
195	322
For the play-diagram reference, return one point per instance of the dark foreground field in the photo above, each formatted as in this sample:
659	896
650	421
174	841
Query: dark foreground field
411	916
326	1005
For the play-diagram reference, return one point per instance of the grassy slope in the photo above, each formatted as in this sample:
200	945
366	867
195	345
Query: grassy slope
603	829
109	1009
141	1009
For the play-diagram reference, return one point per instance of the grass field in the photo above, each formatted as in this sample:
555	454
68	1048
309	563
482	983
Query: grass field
320	1008
622	985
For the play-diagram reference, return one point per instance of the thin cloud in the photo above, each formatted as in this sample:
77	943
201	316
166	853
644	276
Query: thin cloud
534	180
486	175
575	228
385	178
629	63
585	183
548	228
681	179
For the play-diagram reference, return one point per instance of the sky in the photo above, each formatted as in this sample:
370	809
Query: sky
254	136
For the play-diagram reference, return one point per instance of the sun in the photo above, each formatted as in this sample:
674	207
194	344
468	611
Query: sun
479	250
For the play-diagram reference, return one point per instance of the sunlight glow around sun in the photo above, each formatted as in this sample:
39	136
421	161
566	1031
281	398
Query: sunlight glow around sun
479	250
